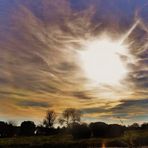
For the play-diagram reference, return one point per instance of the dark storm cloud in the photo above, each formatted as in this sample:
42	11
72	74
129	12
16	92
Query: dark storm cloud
144	55
94	110
131	109
140	78
39	40
126	109
11	93
82	95
127	104
66	67
33	104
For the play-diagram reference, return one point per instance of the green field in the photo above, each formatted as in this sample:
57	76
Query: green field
132	138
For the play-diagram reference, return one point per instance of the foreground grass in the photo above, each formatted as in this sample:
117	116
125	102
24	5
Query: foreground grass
136	138
67	141
36	140
52	141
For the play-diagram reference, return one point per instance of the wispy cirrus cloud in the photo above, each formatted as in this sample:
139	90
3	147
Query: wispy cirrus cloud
39	64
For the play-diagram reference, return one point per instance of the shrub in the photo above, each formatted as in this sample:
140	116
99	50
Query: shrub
80	131
115	130
99	129
27	128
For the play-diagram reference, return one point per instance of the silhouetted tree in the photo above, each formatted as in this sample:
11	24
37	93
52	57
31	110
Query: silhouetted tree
99	129
40	130
7	129
80	131
144	126
134	126
3	129
11	129
27	128
69	116
115	130
49	119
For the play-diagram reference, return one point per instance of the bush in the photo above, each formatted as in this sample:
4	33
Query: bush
99	129
144	126
80	131
27	128
3	129
141	141
116	143
115	130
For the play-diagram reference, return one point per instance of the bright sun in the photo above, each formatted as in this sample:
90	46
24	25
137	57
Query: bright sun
101	60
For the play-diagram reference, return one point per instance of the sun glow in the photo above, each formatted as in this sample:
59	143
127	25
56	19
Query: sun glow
101	60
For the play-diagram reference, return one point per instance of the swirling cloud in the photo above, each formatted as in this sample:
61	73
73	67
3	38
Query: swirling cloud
39	65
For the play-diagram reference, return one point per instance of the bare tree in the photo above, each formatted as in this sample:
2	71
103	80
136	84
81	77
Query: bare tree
12	122
50	118
69	116
27	128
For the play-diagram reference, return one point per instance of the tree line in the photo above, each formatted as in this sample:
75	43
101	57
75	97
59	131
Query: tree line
70	123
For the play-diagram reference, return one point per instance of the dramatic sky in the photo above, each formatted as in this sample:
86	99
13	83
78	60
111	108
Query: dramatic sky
90	55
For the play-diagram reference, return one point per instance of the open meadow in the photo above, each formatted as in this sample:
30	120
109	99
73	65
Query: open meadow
130	139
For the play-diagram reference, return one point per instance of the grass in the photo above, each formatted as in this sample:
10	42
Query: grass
134	138
35	140
56	140
129	139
